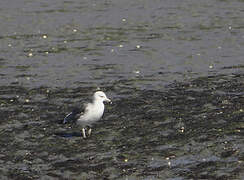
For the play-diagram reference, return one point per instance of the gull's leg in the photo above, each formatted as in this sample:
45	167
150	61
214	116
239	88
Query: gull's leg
84	132
89	132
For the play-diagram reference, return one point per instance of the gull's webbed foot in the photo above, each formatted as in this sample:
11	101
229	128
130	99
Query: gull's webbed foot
89	132
86	132
83	132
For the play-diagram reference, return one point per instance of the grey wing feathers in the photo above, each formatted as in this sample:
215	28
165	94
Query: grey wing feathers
73	116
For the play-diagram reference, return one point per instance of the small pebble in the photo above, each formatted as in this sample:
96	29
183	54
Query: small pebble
182	129
136	72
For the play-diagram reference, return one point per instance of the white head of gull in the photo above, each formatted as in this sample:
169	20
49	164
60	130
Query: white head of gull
90	113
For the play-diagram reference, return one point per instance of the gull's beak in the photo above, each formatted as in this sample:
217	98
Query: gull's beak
108	100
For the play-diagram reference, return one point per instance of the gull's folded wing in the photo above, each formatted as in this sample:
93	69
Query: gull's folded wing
73	116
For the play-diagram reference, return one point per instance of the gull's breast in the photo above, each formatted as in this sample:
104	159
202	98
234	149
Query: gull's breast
94	113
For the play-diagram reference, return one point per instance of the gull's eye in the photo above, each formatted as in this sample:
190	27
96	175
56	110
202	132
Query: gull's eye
101	96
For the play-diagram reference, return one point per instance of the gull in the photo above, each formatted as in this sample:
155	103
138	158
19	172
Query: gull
90	113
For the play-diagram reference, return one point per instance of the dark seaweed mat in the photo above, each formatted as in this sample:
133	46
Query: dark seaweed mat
191	131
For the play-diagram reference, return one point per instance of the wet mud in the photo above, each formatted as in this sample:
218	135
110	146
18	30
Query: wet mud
190	130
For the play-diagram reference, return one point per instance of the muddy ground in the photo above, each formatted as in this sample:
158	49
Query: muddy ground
191	130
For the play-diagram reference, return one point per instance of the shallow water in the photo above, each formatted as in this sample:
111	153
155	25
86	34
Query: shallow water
174	70
74	43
